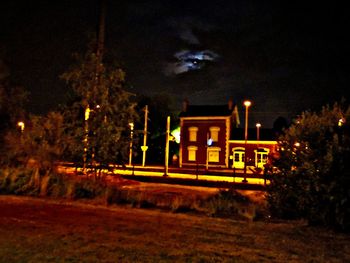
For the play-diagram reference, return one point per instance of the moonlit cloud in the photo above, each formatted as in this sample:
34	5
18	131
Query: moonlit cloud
188	60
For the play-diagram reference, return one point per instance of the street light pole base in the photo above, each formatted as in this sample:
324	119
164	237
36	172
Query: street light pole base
244	180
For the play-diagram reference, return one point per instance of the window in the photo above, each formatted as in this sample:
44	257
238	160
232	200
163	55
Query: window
261	156
192	152
192	134
238	157
214	154
214	133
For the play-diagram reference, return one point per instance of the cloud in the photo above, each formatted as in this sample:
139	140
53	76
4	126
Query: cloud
188	60
184	27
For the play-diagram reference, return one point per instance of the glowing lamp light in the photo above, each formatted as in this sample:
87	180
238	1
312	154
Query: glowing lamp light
87	113
341	122
20	124
210	142
247	103
258	125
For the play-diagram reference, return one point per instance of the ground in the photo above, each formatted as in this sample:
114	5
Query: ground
46	230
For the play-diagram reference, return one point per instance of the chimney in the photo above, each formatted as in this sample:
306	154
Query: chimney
184	105
230	104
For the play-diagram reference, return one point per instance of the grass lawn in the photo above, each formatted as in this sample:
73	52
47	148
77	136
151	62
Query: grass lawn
46	230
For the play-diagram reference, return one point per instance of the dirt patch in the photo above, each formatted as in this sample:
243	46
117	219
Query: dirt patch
41	230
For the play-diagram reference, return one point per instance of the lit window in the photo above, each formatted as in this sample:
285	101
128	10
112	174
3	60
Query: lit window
192	134
261	156
192	151
214	133
214	154
238	157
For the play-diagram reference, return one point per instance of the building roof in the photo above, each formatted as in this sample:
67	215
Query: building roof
206	110
264	134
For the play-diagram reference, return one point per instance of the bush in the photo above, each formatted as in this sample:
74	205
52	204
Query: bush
229	203
21	182
313	172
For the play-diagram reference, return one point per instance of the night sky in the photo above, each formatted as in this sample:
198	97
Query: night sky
284	57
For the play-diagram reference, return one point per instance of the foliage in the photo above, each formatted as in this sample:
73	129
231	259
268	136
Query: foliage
229	203
312	173
99	119
12	99
40	145
28	181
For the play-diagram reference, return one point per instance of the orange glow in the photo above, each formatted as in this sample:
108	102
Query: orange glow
247	103
20	124
341	122
87	113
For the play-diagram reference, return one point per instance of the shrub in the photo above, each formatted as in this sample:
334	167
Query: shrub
313	172
229	203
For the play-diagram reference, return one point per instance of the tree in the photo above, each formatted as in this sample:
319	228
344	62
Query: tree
99	120
312	169
40	144
12	99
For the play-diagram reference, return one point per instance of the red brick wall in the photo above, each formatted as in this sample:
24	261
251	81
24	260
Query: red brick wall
203	129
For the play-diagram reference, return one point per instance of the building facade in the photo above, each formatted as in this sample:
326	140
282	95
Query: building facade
211	138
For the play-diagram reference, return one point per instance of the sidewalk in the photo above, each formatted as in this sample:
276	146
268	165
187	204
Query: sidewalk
214	177
220	178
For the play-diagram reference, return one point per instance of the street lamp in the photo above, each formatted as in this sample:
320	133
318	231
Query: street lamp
131	124
247	104
20	124
258	125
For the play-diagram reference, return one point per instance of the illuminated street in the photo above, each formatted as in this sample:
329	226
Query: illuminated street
208	177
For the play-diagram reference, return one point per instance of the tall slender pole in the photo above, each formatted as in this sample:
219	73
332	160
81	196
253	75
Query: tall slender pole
207	153
167	146
98	70
131	141
258	125
86	136
101	29
144	148
247	103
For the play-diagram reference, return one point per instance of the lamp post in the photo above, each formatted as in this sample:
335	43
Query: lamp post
258	125
167	135
86	135
131	124
257	159
144	146
247	104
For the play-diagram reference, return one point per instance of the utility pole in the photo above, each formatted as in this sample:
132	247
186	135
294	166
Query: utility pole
145	147
167	146
131	124
86	137
101	30
99	57
207	153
